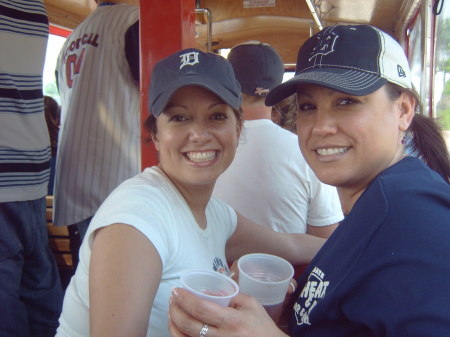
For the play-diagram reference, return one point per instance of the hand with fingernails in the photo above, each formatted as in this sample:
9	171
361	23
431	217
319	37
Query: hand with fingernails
245	316
192	316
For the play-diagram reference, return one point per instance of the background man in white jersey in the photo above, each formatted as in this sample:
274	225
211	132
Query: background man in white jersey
98	80
269	181
30	288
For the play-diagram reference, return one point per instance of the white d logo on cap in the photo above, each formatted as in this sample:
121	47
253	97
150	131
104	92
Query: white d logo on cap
189	59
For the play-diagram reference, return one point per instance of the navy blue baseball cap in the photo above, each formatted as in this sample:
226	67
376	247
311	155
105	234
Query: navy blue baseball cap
192	67
257	66
355	60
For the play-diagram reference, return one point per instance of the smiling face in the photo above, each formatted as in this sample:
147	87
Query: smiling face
348	140
197	136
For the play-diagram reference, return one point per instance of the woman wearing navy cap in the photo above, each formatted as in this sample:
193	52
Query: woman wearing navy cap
385	271
163	222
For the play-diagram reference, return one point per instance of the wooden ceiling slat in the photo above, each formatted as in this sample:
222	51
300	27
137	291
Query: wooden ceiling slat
285	26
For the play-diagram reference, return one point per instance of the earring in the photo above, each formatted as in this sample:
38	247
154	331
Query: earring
403	141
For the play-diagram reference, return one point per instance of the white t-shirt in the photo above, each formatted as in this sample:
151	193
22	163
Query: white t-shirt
152	204
270	183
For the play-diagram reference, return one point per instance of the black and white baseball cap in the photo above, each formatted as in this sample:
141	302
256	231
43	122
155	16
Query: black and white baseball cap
192	67
257	66
355	60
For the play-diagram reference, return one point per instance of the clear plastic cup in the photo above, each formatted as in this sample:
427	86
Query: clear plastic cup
265	277
210	285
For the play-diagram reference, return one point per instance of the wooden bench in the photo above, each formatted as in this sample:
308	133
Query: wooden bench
58	239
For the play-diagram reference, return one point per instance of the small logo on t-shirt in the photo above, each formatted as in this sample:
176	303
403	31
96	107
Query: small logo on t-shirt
311	294
220	266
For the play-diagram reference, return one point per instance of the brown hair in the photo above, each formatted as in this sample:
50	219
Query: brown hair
287	109
424	137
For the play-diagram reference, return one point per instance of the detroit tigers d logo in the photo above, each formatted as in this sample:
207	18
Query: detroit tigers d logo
324	45
189	59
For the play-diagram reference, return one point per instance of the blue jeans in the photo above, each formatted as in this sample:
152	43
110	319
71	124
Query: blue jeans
30	288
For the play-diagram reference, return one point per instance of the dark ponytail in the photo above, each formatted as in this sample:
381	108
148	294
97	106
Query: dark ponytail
425	139
427	143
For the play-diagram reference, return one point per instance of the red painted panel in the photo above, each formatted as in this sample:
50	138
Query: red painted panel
59	31
166	27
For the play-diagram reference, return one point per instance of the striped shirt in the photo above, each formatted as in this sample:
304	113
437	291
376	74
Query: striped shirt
99	139
24	140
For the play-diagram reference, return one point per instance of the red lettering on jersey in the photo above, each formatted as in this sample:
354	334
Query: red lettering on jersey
85	39
94	43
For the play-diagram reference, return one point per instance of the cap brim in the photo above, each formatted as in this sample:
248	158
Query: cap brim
349	81
158	105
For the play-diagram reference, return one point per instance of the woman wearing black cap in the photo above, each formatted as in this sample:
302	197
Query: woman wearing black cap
163	222
385	270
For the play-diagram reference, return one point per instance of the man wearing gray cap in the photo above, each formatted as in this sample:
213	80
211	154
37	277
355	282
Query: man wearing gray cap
269	181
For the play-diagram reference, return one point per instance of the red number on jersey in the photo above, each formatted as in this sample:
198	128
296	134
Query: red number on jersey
73	66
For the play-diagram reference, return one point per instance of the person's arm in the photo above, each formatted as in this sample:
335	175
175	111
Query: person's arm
245	317
124	275
249	237
321	231
132	51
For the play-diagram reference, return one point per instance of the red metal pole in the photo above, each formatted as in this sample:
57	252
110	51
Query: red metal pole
165	27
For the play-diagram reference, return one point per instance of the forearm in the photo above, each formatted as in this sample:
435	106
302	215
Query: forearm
321	231
299	249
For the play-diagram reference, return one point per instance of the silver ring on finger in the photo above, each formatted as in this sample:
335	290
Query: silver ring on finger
204	330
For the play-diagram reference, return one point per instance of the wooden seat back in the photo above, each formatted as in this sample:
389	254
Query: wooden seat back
58	239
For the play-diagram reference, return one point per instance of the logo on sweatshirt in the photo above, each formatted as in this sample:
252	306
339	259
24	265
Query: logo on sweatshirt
311	294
